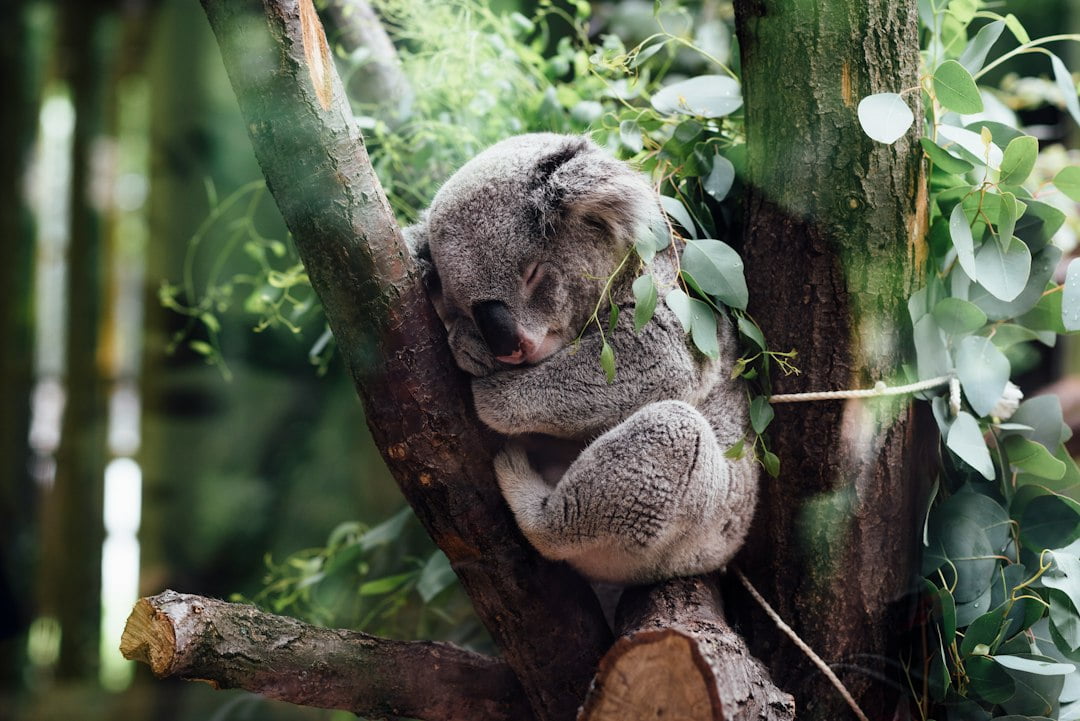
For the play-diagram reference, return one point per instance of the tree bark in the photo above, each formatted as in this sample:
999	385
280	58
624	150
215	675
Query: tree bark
230	645
416	400
677	658
835	223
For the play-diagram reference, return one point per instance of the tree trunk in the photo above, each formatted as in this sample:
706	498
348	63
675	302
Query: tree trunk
834	246
72	528
416	400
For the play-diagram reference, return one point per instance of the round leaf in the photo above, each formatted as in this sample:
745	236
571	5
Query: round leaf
1019	159
1049	521
718	271
956	89
958	317
1003	273
1068	181
943	159
885	117
709	96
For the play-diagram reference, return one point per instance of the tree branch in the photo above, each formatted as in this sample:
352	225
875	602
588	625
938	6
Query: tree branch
380	81
677	658
416	401
231	645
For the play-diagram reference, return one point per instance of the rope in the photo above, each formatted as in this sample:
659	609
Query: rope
879	389
790	633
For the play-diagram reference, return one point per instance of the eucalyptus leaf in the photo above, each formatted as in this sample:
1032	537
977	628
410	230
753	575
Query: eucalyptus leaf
607	361
966	441
1004	273
720	179
436	576
678	213
983	371
1019	160
1042	269
1017	29
931	353
761	414
1033	458
1065	84
631	136
885	117
1049	521
1068	181
1043	414
989	682
1064	617
943	159
958	317
708	96
956	89
717	269
973	145
960	232
1040	665
703	328
679	303
1007	207
644	301
749	329
974	54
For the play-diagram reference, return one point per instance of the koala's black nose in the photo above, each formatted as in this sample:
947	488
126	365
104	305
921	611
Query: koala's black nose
497	326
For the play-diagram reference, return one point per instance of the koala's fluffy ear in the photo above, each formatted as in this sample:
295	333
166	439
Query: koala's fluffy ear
580	183
416	238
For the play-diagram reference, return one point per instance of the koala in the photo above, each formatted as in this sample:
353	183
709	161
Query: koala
627	481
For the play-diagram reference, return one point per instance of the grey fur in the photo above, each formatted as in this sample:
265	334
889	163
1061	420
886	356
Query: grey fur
651	495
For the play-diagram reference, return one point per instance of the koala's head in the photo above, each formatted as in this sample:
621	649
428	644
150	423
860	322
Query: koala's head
524	236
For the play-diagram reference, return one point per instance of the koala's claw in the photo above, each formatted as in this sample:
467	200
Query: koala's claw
513	470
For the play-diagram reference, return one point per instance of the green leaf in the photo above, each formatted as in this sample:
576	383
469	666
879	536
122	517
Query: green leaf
943	159
1042	269
385	585
436	576
963	10
1065	84
678	213
1033	458
1006	206
679	303
1019	160
761	414
201	347
708	96
772	463
966	441
1049	521
703	328
630	135
989	681
387	531
1017	29
885	117
1043	414
974	54
717	269
644	301
736	451
1040	665
1068	181
1009	334
931	353
956	89
971	146
983	631
607	361
960	232
1003	273
958	317
1039	224
720	179
1064	617
983	372
749	329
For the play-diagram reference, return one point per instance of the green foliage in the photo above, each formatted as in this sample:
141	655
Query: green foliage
1002	586
388	580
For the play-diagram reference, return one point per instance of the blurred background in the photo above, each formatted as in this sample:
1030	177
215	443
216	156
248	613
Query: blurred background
172	412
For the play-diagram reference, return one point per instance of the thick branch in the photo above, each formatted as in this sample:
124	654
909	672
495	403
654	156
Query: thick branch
417	402
677	658
234	646
380	81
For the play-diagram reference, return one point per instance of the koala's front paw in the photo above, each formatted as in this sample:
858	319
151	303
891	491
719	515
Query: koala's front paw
470	352
517	478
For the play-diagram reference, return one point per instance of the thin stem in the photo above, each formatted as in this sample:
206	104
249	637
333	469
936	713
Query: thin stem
1027	47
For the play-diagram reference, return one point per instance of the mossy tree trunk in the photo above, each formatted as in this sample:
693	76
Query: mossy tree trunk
834	246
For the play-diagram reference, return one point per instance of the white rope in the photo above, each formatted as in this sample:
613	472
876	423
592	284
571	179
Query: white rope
879	389
790	633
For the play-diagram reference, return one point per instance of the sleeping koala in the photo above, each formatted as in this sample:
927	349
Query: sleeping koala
517	246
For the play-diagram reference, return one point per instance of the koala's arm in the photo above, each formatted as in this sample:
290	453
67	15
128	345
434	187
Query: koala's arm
567	395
